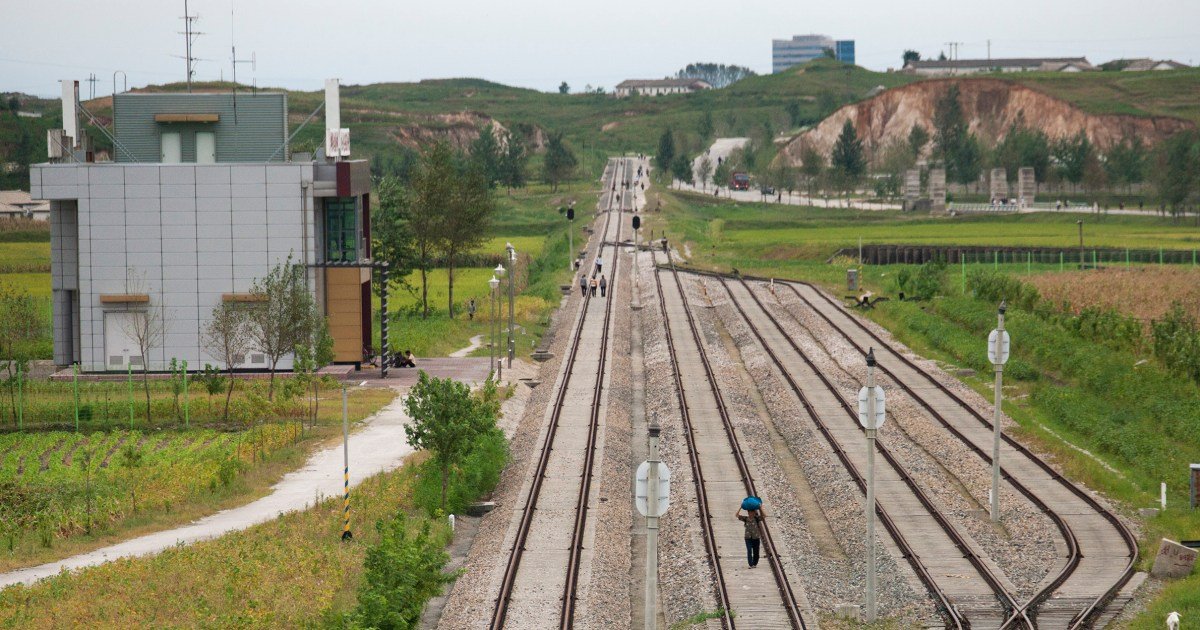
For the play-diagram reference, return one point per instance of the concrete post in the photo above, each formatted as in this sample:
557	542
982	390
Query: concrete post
871	487
512	284
651	613
999	367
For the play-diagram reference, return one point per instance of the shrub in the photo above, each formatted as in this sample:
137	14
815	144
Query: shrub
402	572
475	477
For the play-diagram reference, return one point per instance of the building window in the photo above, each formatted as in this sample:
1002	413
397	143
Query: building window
341	230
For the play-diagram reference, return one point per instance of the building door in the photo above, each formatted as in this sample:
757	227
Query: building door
206	147
172	147
120	349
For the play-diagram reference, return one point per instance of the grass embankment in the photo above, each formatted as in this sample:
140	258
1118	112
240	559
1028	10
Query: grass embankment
65	492
1069	393
531	221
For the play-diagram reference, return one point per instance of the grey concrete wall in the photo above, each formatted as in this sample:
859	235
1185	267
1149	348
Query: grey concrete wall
250	130
64	280
185	234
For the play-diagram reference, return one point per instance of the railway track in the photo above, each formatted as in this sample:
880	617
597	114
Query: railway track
722	476
536	581
939	553
1101	551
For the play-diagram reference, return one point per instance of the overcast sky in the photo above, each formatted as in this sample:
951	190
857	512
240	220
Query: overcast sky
539	43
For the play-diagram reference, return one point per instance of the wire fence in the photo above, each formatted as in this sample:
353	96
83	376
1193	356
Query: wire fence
1063	258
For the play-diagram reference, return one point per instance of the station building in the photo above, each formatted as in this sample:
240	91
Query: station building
203	197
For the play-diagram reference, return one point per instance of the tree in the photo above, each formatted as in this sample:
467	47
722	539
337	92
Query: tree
812	166
828	53
704	170
716	75
1176	174
486	151
954	145
1126	162
563	88
847	159
513	162
391	236
894	161
424	210
467	220
918	137
446	420
282	317
559	163
21	324
1073	155
681	169
666	151
910	56
226	337
795	117
705	126
146	329
1022	147
722	174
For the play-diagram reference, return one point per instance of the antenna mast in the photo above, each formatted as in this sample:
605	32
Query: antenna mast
189	38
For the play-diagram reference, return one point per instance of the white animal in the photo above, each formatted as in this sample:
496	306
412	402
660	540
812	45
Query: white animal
1173	621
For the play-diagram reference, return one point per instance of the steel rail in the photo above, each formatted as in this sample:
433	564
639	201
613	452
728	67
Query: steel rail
791	604
500	611
1083	618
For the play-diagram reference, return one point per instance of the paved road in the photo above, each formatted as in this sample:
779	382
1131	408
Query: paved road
377	447
720	149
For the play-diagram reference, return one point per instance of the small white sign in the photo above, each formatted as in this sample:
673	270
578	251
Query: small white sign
337	143
880	410
998	353
641	487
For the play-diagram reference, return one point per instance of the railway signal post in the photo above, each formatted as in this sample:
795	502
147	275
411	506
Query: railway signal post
636	302
570	212
998	343
512	280
871	415
652	484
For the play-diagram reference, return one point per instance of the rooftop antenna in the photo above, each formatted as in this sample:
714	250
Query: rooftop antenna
189	38
234	61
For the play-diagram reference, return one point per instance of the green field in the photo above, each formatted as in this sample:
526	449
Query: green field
146	477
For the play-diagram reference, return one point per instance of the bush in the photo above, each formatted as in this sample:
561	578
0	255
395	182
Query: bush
402	572
475	477
992	286
1176	342
925	283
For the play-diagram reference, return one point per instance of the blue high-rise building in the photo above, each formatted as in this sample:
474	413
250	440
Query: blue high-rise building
786	53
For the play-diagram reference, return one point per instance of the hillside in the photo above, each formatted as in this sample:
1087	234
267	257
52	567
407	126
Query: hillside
384	116
990	105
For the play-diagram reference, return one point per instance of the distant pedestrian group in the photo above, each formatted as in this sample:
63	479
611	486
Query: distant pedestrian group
589	286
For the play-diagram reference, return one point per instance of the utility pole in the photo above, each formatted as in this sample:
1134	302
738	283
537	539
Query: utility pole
492	284
346	535
651	612
92	88
189	38
1080	224
989	42
512	283
871	415
998	346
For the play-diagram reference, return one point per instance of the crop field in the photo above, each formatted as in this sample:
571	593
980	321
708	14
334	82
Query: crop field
61	488
1145	293
290	572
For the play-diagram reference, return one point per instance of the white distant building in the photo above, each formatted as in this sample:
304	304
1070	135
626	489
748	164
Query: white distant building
786	53
954	67
1142	65
16	204
659	87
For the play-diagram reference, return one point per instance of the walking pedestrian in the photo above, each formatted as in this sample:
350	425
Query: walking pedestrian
752	519
599	264
603	285
594	284
583	284
471	309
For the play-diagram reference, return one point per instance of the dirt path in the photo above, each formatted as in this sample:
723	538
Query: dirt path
378	446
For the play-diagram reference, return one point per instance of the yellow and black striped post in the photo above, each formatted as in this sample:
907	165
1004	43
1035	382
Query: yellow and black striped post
346	535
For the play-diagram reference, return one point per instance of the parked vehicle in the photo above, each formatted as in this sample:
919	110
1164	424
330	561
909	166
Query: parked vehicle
739	181
768	190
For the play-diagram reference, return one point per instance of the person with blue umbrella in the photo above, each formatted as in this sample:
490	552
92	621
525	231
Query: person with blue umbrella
753	518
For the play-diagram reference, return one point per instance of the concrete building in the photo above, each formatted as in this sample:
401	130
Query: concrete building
659	87
786	53
17	204
204	199
955	67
